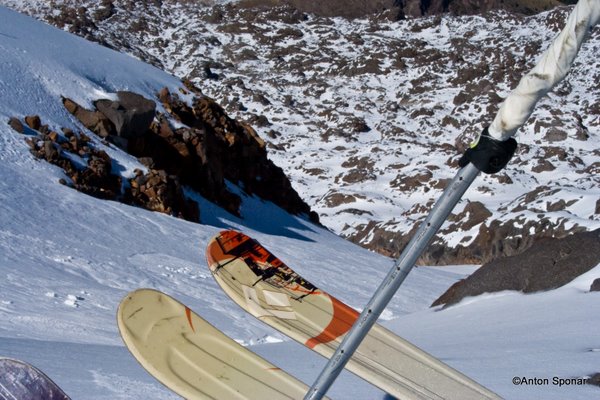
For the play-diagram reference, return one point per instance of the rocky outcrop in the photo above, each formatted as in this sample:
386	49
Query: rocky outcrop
86	168
89	170
348	8
205	152
548	264
482	239
213	149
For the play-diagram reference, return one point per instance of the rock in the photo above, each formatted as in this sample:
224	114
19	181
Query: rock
50	151
158	191
407	183
548	264
208	74
93	120
336	199
412	8
355	125
131	114
100	165
555	135
16	124
33	121
53	136
543	165
259	120
595	286
473	214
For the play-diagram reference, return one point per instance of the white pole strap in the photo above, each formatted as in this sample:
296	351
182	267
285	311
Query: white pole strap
550	69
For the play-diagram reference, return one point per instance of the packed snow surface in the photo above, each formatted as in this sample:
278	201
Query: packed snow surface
67	259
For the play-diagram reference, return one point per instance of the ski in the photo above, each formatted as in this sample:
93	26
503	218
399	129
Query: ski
22	381
271	291
193	358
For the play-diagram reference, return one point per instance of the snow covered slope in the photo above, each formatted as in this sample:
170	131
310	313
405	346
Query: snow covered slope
368	117
67	259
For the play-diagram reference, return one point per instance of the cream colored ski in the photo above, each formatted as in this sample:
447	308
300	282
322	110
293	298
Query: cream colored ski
271	291
193	358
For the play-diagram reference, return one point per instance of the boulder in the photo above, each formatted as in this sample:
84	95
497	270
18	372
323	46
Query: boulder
595	287
16	124
548	264
92	120
131	114
212	149
33	121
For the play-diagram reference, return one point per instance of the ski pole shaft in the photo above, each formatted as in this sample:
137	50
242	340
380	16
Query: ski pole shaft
403	265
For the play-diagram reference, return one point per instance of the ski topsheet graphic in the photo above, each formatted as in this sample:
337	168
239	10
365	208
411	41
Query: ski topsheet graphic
271	291
22	381
193	358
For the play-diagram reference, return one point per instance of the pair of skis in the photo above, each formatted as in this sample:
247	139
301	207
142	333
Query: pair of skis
197	361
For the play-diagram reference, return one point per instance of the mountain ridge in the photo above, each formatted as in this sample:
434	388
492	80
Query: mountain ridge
400	9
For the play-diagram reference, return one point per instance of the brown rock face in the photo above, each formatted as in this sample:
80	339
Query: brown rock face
209	151
418	8
213	150
548	264
406	8
158	191
348	8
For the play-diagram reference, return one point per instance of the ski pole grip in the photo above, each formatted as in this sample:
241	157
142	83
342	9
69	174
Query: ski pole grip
488	154
549	70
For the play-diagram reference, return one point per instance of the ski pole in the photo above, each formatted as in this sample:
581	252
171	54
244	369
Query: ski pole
493	150
393	280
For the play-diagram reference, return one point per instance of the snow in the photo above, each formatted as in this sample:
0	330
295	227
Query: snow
67	259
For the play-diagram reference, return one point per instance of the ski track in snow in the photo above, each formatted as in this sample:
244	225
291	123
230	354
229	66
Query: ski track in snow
67	259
